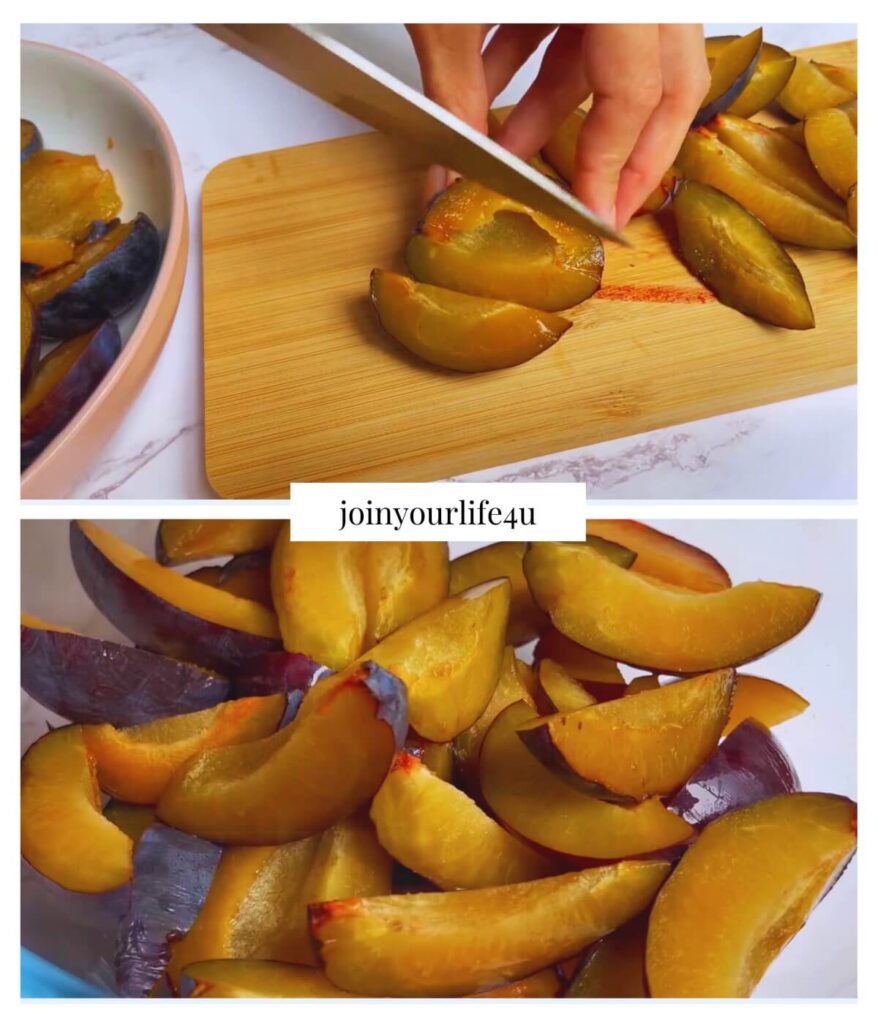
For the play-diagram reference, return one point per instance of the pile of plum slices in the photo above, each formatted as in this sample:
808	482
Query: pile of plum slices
81	268
333	769
491	275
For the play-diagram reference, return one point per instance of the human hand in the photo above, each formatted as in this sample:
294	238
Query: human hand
646	83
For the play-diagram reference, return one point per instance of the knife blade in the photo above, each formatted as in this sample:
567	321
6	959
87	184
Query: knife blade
365	91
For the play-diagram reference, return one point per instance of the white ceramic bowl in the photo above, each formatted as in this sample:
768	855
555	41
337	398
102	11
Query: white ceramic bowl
84	107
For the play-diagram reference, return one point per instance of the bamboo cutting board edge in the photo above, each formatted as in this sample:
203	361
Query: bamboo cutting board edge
300	384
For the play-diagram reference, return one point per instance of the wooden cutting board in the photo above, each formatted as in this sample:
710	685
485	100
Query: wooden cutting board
301	383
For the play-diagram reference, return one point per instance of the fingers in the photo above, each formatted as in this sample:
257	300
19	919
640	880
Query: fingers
560	85
507	51
685	80
450	58
624	66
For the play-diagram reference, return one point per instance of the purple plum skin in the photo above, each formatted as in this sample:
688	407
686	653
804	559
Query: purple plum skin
155	624
87	680
278	672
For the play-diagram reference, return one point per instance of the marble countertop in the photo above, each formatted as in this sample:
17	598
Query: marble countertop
218	105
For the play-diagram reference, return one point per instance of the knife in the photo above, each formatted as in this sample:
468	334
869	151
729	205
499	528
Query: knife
353	84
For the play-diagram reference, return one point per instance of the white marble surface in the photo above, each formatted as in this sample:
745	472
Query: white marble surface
820	663
218	105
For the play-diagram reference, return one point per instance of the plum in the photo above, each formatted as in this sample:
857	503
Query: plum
461	332
62	383
477	241
652	625
190	540
732	68
278	672
641	746
728	249
749	765
172	874
105	279
809	89
613	968
165	612
832	146
85	679
772	72
558	691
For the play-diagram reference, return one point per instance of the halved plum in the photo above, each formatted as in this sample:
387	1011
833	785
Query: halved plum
705	940
449	659
166	612
191	540
789	218
85	679
31	139
136	764
644	745
748	766
257	979
241	794
30	341
653	625
172	874
257	905
614	967
455	943
479	242
768	702
660	555
558	690
536	803
601	676
64	835
62	383
738	259
809	89
832	146
437	831
104	279
779	159
461	332
515	683
732	67
773	70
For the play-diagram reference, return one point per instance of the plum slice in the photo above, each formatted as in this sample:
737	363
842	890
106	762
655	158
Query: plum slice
461	332
652	625
449	659
644	745
661	555
85	679
241	793
31	139
64	835
62	383
768	702
279	672
104	279
456	943
742	891
733	254
190	540
257	979
532	800
772	72
477	241
403	579
526	621
809	89
559	691
30	341
515	683
732	67
779	159
440	833
257	904
601	676
789	218
172	873
614	967
165	612
832	146
748	766
136	763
